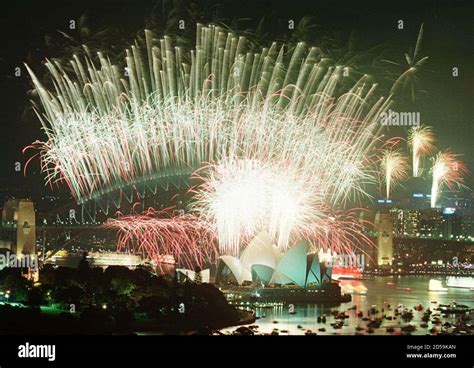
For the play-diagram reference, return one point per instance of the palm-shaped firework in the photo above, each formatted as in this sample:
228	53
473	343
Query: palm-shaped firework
407	81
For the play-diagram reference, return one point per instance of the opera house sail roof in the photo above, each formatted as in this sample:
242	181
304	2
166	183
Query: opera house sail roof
263	263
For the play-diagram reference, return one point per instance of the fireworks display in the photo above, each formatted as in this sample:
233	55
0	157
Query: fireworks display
244	197
395	167
280	139
447	170
178	109
236	168
155	234
421	141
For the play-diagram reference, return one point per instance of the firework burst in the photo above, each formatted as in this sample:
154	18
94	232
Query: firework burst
447	170
106	132
154	234
395	168
421	141
283	141
340	232
242	197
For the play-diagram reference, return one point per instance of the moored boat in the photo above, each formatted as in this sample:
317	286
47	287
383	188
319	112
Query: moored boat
436	285
460	282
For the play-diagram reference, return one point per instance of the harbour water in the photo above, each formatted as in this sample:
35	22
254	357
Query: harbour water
385	293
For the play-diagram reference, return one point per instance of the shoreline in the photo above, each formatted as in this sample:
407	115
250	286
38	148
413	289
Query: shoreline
248	317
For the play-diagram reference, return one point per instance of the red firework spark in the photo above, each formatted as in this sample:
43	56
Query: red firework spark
342	232
154	234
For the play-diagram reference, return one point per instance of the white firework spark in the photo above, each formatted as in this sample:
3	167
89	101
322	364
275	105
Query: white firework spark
285	147
447	170
395	168
168	117
243	197
421	141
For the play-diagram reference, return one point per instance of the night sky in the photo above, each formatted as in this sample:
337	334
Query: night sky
30	33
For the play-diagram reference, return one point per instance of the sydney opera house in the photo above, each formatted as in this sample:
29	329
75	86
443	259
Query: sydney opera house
263	263
268	274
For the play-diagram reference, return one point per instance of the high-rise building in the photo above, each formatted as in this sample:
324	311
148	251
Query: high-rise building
452	225
431	224
416	195
384	228
405	222
460	202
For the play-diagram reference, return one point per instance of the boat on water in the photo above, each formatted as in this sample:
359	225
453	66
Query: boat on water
357	292
353	287
329	292
463	282
454	308
436	285
346	273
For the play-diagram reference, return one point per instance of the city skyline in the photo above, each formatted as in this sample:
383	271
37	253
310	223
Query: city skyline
172	169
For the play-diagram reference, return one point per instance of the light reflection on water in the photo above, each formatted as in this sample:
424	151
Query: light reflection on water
381	291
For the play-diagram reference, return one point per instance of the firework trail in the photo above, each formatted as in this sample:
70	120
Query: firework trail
395	168
154	234
106	132
242	197
446	170
421	141
341	232
278	138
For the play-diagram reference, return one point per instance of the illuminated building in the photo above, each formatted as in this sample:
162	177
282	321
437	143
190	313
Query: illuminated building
384	227
95	259
19	229
19	216
262	263
431	224
405	222
461	203
452	228
205	275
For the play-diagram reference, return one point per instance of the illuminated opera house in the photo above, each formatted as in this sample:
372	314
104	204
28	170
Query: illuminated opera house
262	263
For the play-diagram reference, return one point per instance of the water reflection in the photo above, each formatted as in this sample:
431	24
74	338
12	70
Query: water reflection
383	293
